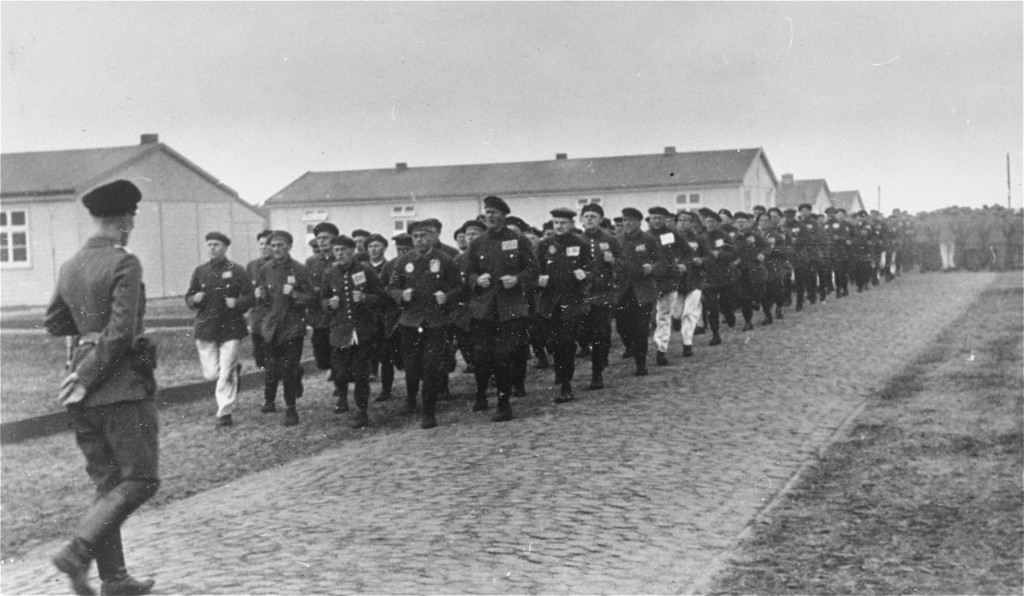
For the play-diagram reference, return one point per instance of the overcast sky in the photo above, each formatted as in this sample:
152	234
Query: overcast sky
922	99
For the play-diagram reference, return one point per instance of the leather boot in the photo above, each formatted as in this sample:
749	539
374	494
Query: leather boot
565	394
126	585
504	412
596	381
687	351
73	560
360	419
429	421
291	417
716	339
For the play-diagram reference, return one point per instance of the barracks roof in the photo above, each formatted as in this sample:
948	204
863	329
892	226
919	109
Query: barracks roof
534	177
847	199
800	191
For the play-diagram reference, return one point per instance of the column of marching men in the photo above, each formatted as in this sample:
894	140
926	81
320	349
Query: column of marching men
510	291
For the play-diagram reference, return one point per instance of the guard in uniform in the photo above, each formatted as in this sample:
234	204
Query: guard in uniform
502	268
220	292
564	276
642	262
605	255
257	311
100	302
425	283
285	288
351	296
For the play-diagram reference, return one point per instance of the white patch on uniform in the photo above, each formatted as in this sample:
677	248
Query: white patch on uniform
435	265
552	249
572	251
835	226
719	243
693	245
667	238
641	248
291	279
226	275
359	278
603	245
509	245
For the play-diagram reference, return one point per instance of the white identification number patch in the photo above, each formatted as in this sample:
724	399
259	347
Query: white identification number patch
509	245
572	251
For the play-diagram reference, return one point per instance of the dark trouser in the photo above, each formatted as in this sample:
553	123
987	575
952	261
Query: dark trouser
805	284
495	345
634	321
842	274
564	332
283	367
389	353
539	333
464	341
321	342
352	365
259	350
425	354
823	270
716	303
121	446
598	332
861	272
773	297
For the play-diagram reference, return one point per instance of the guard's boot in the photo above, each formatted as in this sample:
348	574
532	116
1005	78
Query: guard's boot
504	412
716	339
360	419
596	381
291	417
73	560
687	351
126	585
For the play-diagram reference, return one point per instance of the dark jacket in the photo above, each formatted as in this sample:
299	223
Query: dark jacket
286	315
501	252
316	266
426	273
361	318
559	257
675	249
604	288
694	278
638	249
100	296
219	280
258	311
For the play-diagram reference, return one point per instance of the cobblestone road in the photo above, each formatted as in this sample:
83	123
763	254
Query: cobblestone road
636	489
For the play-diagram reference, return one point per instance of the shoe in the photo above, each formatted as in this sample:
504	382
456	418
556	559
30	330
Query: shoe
291	417
716	339
518	390
778	313
766	322
661	359
384	396
341	407
748	326
799	307
731	322
687	351
596	382
361	419
224	420
504	413
429	422
126	585
641	370
700	330
268	407
566	394
76	570
542	361
627	354
480	405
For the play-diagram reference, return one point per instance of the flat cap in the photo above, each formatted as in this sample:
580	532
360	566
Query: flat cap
516	222
117	198
742	215
725	212
493	202
632	213
592	208
474	223
659	211
563	213
432	223
830	210
403	239
343	240
219	237
360	233
283	235
376	238
325	226
806	206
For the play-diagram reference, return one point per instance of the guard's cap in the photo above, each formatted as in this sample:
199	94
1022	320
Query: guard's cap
117	198
219	237
592	208
563	213
325	226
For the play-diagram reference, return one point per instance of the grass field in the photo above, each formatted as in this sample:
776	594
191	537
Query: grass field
33	366
924	495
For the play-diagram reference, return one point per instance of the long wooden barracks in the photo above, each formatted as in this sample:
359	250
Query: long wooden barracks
386	200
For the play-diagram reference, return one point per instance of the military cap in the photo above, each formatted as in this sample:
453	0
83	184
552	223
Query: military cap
803	206
120	197
264	234
563	212
605	223
517	222
474	223
325	226
219	238
862	213
592	207
759	209
360	233
414	226
342	240
433	223
632	213
706	212
789	211
459	230
830	210
725	212
658	211
403	239
709	214
376	238
617	220
742	215
548	226
493	202
841	210
775	210
282	234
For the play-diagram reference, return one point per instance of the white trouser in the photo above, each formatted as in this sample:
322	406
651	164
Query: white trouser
946	251
690	308
663	320
221	362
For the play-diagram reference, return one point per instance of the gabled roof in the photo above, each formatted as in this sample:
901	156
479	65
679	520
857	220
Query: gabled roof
847	199
800	191
668	169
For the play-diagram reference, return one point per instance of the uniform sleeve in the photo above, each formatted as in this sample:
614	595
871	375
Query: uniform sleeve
396	284
58	317
530	271
246	297
194	286
116	338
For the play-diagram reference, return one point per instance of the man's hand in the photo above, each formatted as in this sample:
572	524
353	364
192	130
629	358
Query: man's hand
231	302
71	391
407	294
609	257
648	268
760	257
509	281
357	296
542	281
484	281
441	297
335	302
287	289
698	261
580	274
681	267
198	297
258	292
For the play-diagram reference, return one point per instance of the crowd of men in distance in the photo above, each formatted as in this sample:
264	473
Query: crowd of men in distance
507	288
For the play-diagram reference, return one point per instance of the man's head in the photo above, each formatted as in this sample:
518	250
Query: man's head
376	244
323	233
460	239
742	221
725	216
280	243
473	228
495	212
561	220
343	249
516	223
805	209
359	237
591	216
261	241
657	217
113	206
631	219
217	245
314	247
423	236
403	243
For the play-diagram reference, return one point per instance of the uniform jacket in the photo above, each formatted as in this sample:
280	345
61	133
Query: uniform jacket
286	315
720	266
426	273
694	278
219	280
257	312
359	318
389	311
316	266
501	252
638	249
460	314
676	250
100	296
559	257
604	288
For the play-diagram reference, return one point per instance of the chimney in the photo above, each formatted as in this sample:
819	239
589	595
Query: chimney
562	156
149	139
401	166
670	150
787	179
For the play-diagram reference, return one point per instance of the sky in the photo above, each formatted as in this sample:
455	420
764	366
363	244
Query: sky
923	101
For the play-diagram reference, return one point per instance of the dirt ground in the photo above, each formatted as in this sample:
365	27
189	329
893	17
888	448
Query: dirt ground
924	494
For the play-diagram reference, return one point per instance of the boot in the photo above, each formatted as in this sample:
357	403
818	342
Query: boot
480	404
224	420
687	351
518	390
291	417
342	405
268	407
565	394
748	326
73	560
126	585
384	396
596	381
360	419
767	320
504	412
661	358
542	361
716	339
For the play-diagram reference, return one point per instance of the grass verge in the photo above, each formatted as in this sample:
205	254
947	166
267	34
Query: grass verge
924	495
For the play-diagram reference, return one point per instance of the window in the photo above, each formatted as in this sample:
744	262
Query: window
594	201
315	215
401	225
402	215
688	199
13	238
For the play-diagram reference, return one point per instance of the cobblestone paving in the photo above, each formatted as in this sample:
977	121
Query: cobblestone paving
635	489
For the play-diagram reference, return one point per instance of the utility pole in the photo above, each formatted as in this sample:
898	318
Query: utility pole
879	198
1008	193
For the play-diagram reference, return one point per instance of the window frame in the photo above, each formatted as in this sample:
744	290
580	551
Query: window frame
10	230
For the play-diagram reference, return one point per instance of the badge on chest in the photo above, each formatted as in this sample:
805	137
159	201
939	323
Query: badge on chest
667	239
509	245
226	275
435	265
572	251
